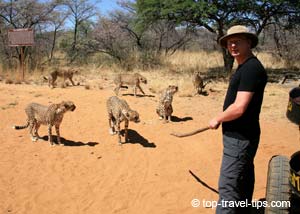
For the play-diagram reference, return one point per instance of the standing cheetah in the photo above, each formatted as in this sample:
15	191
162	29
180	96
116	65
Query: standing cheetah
43	115
164	108
118	111
129	79
65	74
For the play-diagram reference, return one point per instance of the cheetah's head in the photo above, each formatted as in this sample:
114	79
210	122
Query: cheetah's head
74	71
132	115
197	73
65	106
142	79
173	89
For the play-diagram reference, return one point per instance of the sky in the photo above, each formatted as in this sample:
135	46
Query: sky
106	6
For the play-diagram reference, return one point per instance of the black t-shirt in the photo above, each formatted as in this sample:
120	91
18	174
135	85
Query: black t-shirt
252	77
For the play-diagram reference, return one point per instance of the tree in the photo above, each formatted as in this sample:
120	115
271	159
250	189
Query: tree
81	11
167	37
217	15
125	20
110	38
25	14
57	20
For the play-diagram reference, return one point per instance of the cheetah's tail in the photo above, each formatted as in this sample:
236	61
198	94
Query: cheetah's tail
21	127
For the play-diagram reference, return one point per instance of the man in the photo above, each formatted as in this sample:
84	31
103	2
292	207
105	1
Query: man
240	122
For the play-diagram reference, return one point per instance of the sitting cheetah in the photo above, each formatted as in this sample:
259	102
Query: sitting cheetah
66	74
164	108
46	115
198	83
131	80
118	111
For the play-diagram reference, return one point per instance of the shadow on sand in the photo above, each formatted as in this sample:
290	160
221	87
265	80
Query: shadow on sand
135	137
177	119
69	142
138	95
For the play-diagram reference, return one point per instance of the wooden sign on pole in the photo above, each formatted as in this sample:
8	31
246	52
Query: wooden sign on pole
21	37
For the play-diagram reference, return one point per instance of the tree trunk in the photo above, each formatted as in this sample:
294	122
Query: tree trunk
75	36
228	60
53	44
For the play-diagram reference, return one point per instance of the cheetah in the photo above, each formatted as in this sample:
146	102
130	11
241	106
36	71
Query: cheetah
66	74
164	108
129	79
198	83
118	111
52	115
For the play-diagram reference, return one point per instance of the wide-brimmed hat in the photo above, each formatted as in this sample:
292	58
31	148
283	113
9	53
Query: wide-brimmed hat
238	30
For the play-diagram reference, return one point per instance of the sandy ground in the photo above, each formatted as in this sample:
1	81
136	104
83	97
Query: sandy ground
154	173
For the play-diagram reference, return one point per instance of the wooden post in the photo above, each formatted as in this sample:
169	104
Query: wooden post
22	63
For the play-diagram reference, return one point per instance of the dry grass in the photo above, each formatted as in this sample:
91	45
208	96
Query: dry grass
176	70
271	61
200	60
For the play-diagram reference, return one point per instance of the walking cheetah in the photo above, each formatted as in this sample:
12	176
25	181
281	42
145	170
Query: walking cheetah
45	115
66	74
164	108
131	80
118	111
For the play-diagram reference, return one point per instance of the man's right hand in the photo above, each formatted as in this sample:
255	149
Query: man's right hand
214	124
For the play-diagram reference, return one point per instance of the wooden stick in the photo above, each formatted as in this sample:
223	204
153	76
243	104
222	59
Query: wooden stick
190	133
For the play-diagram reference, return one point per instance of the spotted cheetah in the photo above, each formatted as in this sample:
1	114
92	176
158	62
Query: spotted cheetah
65	74
198	83
129	79
52	115
164	108
118	111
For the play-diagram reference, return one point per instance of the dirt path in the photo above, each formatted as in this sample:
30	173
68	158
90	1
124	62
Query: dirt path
154	173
